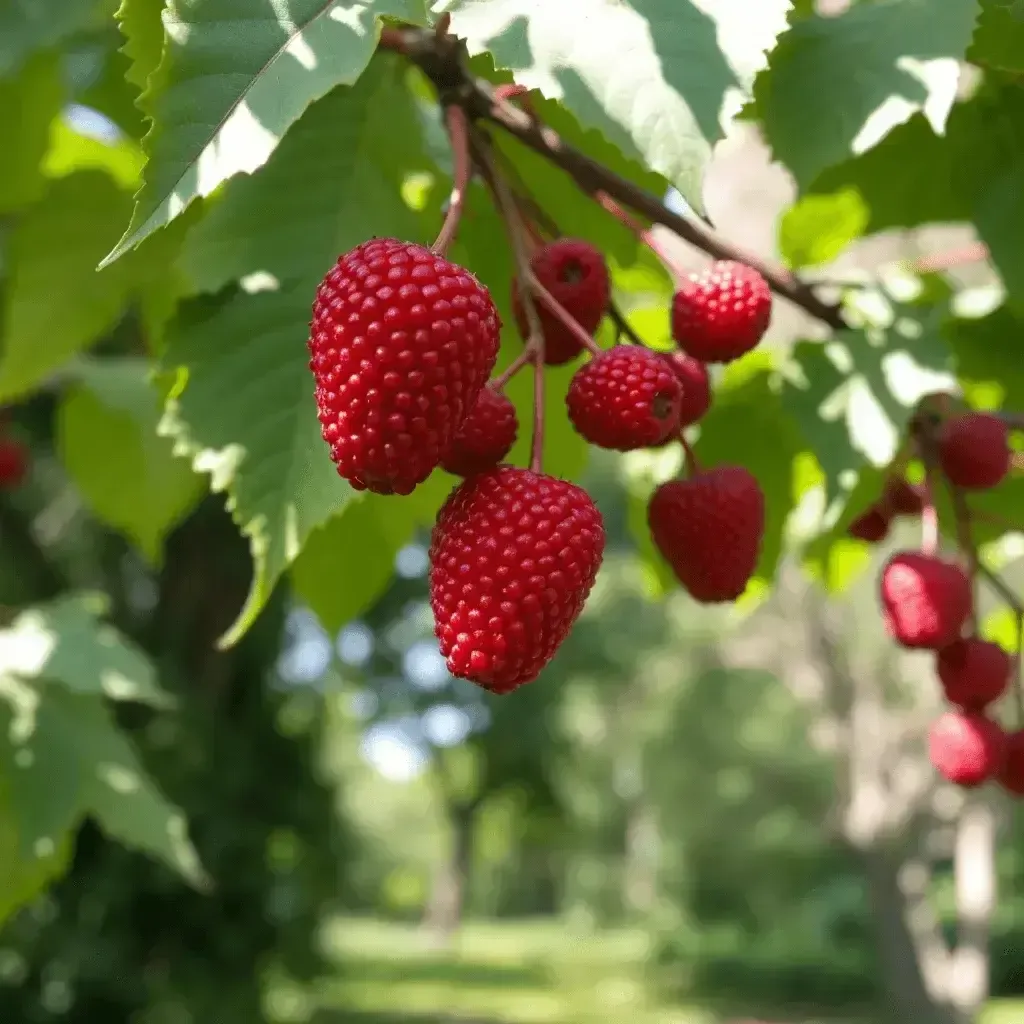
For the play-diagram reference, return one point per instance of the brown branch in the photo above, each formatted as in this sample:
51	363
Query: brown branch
442	59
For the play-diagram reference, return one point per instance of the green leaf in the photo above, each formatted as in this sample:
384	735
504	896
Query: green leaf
30	25
292	224
348	562
816	229
209	125
989	355
659	78
143	30
69	760
837	85
999	38
82	211
66	642
28	104
127	474
71	151
247	417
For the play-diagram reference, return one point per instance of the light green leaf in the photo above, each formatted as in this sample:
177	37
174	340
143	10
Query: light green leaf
28	104
989	358
293	224
209	125
127	474
348	562
999	37
999	218
837	85
660	78
70	151
69	760
30	25
66	642
40	333
816	229
247	417
143	30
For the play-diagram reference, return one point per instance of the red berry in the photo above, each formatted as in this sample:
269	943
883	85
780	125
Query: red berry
1011	777
485	437
721	313
974	450
872	525
902	498
513	556
576	275
693	375
973	672
966	749
13	462
626	398
925	600
401	343
709	529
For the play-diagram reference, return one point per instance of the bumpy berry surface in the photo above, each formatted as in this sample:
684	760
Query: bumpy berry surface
709	529
925	600
401	343
626	398
13	462
513	557
902	498
693	376
974	672
974	450
872	525
966	749
1011	776
722	313
486	436
576	275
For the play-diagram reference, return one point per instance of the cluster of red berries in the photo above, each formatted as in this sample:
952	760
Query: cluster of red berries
928	604
402	345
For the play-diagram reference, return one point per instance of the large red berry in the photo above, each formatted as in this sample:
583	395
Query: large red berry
925	600
966	749
401	343
721	313
626	398
576	275
709	529
974	450
1011	777
693	375
871	526
485	437
13	462
513	556
973	672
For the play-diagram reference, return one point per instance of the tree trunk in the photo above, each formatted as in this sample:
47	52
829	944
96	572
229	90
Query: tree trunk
443	913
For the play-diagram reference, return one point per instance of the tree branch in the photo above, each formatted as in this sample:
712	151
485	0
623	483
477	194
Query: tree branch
442	59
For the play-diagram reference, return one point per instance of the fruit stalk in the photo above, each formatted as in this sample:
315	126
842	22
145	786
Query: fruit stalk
458	134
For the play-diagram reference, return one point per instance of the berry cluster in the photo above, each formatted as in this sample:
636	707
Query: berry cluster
403	344
928	601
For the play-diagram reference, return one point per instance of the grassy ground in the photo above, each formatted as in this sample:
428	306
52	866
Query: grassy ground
536	973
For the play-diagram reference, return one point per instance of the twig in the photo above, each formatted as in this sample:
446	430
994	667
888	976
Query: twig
643	233
458	133
622	325
442	60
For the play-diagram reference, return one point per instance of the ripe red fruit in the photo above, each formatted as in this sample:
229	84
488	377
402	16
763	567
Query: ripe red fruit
13	462
709	529
576	275
693	375
925	600
902	498
401	343
721	313
973	672
626	398
872	525
966	749
485	437
513	557
1011	777
974	450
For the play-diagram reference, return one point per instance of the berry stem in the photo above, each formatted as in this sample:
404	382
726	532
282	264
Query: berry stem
622	325
521	360
965	540
692	465
929	517
643	233
458	133
570	322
